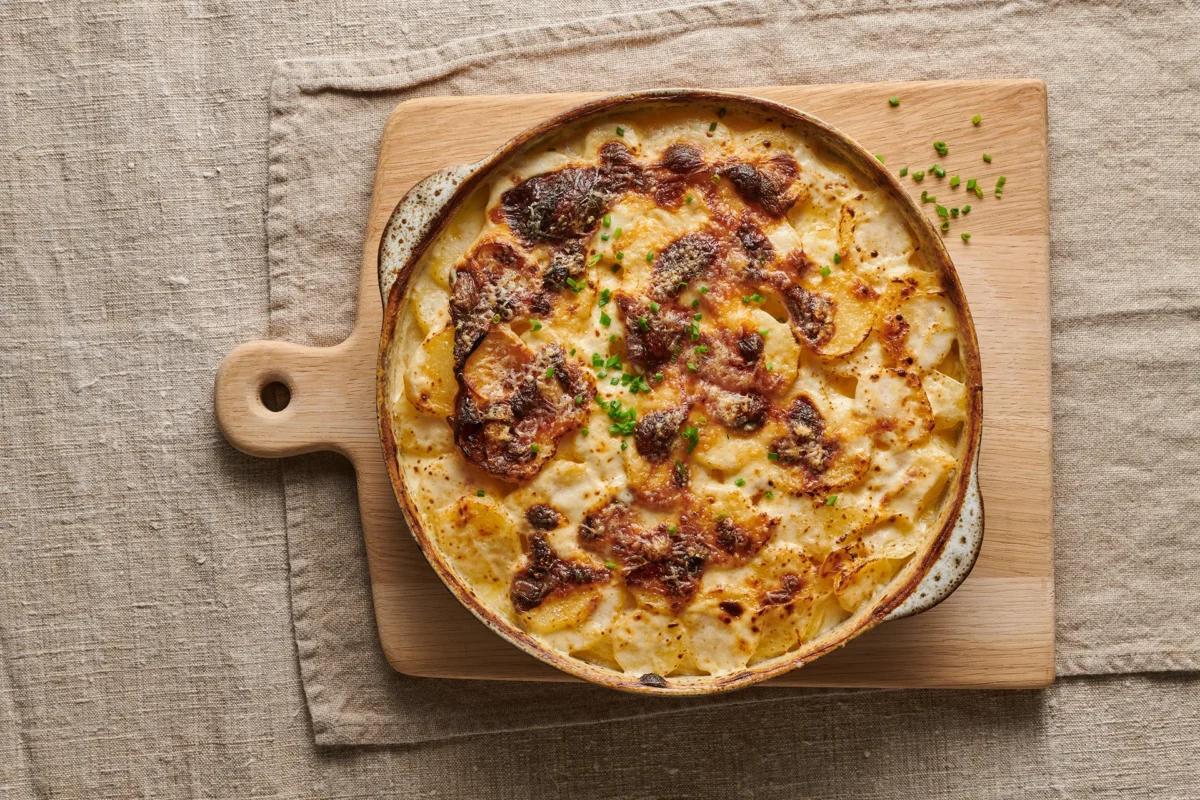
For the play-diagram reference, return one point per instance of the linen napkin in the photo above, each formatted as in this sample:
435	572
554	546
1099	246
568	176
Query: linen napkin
1126	314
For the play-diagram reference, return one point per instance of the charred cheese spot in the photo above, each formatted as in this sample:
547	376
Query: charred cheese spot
546	574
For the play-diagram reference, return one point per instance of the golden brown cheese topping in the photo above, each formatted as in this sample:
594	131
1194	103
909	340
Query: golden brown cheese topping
675	395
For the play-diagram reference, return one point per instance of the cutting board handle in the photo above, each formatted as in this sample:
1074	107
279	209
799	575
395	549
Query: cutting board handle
304	384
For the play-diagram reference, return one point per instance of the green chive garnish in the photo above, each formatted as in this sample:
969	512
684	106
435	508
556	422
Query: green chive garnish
942	148
654	306
1000	185
966	209
620	131
893	101
903	171
966	237
825	271
740	482
975	120
831	500
987	158
919	175
480	493
650	257
537	326
879	158
712	127
954	181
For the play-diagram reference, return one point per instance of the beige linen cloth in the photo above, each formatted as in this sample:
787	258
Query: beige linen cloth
1127	371
146	644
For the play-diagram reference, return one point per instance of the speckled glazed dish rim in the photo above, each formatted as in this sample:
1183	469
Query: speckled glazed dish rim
929	576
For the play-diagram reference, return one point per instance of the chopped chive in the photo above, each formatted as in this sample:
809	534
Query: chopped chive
688	199
691	365
643	324
769	495
945	225
716	178
770	367
971	183
740	482
549	372
654	306
480	493
697	317
976	120
954	181
837	258
607	220
604	237
879	158
650	257
495	318
620	255
696	303
918	176
893	101
903	171
712	127
763	332
720	115
620	131
572	351
605	296
610	564
926	197
941	211
979	191
1000	184
691	434
825	272
585	430
938	170
703	290
537	326
942	148
605	319
831	500
966	209
987	158
966	237
533	448
617	233
772	456
954	212
593	259
658	376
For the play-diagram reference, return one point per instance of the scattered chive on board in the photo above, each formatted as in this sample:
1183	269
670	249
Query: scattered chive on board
977	120
893	101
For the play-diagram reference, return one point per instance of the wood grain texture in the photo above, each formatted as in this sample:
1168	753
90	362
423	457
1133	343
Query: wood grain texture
997	630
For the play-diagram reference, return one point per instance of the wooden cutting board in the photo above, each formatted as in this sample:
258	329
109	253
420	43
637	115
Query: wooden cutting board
997	630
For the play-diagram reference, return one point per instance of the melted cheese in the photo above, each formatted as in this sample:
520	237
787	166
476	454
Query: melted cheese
892	405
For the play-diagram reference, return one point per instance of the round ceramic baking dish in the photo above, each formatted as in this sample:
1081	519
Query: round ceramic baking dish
930	576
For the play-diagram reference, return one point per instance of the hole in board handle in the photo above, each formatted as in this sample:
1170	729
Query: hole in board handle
275	396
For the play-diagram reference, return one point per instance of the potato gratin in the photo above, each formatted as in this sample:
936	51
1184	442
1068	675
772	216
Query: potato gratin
676	391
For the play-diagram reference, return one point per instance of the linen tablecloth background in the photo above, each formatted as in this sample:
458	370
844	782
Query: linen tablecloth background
146	625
